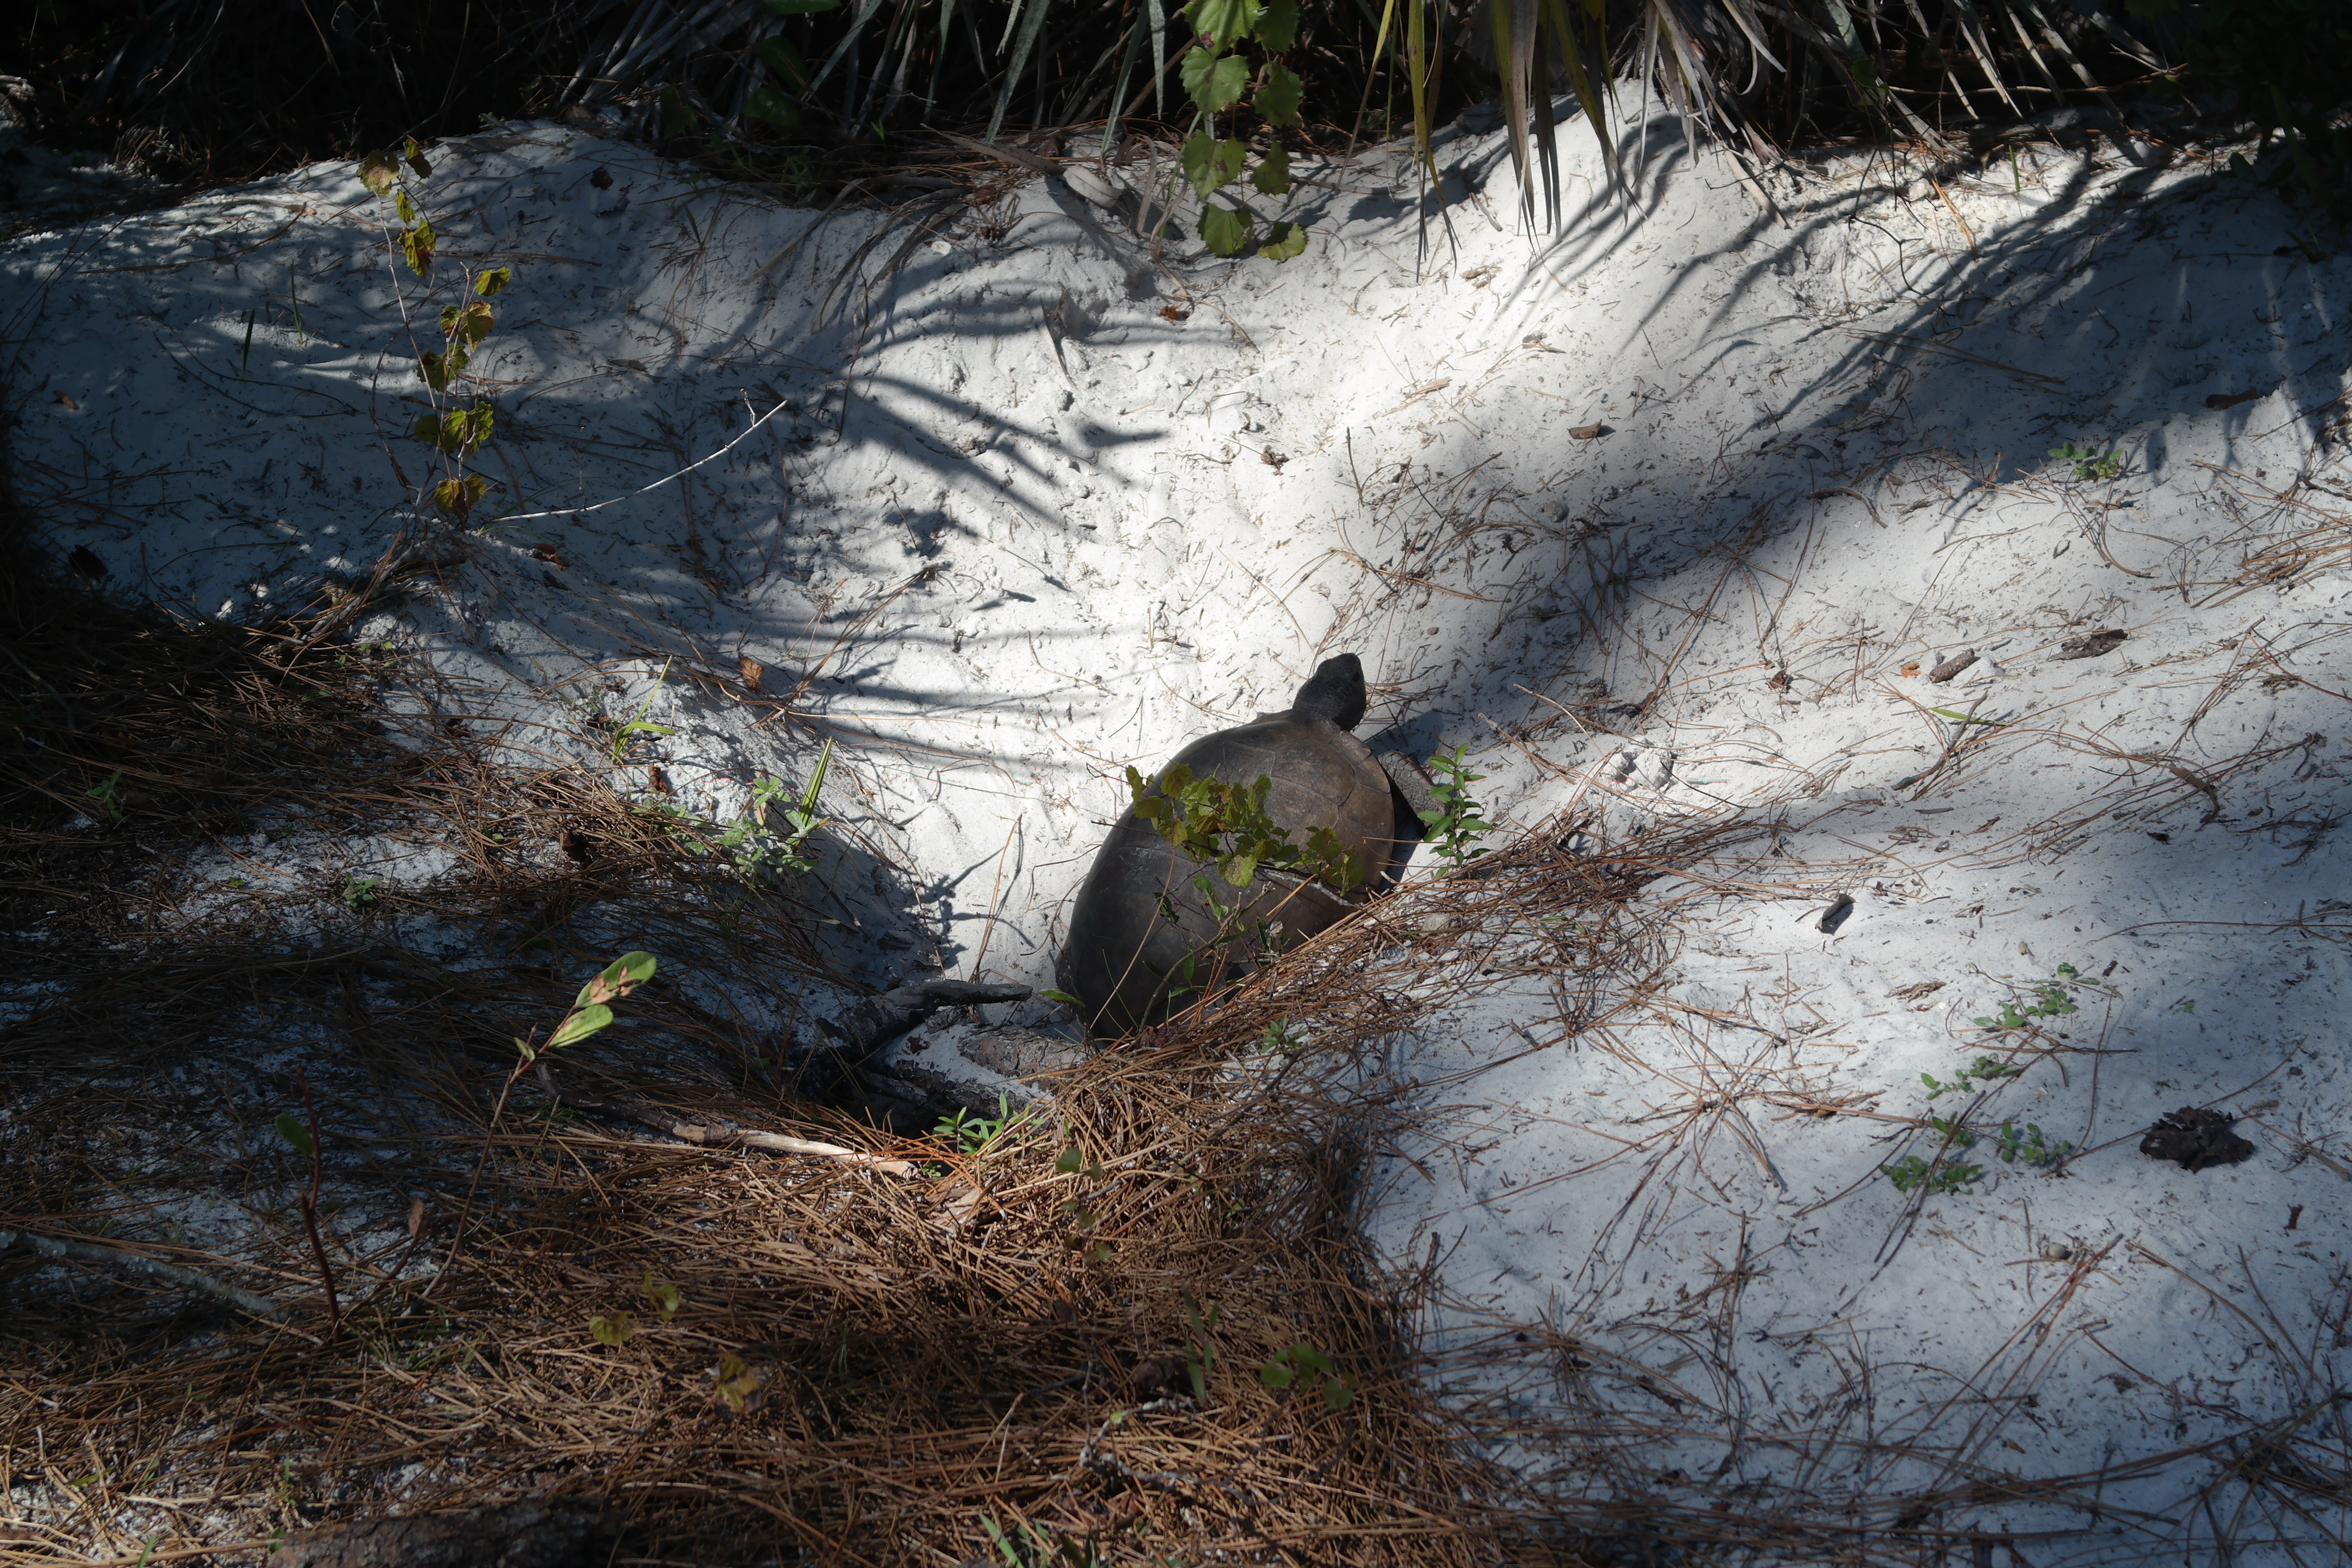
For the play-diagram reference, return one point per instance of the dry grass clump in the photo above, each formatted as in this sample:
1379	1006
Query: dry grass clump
1068	1345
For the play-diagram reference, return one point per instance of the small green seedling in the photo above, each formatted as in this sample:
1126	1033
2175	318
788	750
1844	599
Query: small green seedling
662	1294
612	1332
1029	1546
1278	1039
969	1134
1303	1365
1964	1081
360	892
737	1384
2089	464
1453	825
752	846
2051	1000
109	795
2029	1146
1947	1173
1942	1177
589	1012
624	732
1200	1355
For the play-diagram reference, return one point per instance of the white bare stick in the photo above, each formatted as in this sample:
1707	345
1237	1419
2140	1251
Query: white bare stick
615	501
91	1252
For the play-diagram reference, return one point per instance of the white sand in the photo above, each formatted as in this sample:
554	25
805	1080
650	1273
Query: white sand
1024	528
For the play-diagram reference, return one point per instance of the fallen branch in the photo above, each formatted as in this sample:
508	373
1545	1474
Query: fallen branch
49	1247
717	1135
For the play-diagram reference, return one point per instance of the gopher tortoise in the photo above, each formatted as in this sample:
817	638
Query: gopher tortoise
1138	917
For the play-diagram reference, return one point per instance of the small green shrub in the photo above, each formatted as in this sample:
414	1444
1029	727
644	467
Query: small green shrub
2051	1000
2089	464
109	795
2286	64
1964	1081
969	1134
1304	1366
2029	1146
1453	827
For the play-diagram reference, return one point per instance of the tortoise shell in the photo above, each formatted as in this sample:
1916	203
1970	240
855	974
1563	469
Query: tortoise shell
1137	918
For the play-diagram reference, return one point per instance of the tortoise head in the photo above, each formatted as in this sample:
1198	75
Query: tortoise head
1336	691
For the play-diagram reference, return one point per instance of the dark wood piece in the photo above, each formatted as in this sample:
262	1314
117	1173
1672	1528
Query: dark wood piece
538	1534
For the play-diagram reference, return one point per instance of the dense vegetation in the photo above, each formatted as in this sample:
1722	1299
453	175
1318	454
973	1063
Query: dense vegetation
810	93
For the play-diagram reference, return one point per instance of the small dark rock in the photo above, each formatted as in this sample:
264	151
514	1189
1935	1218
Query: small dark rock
602	180
86	562
2196	1138
2090	646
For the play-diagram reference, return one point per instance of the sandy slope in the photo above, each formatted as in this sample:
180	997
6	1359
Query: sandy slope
1025	507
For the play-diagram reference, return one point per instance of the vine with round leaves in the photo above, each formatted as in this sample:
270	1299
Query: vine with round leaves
1234	65
454	431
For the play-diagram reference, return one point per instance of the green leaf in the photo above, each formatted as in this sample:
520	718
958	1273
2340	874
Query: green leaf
613	1331
1286	240
418	245
1339	1394
294	1133
1240	870
434	371
1278	96
459	497
1225	229
781	58
416	159
579	1027
620	977
737	1384
407	211
1226	22
1211	167
1213	82
490	282
1070	1162
1277	1373
1278	29
766	103
470	324
1272	175
378	171
1061	996
427	430
664	1295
